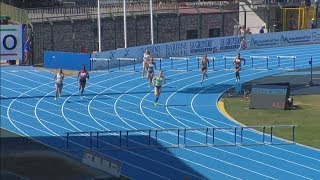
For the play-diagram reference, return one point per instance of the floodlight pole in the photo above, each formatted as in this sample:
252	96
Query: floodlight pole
99	26
125	23
151	21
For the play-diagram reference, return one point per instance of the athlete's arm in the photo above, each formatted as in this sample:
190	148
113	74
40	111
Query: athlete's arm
78	75
154	80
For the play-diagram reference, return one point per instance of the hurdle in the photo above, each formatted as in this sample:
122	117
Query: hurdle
127	59
179	137
260	57
225	60
287	57
268	131
273	127
209	58
160	61
179	58
101	64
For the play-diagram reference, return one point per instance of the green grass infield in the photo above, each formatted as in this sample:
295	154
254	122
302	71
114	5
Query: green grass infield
306	117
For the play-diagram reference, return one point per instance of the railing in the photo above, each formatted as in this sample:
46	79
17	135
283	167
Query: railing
110	10
15	14
81	12
212	4
175	138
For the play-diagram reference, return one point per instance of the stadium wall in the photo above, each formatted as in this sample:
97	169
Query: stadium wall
81	35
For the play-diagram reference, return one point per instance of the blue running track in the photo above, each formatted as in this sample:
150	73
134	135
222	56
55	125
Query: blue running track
123	101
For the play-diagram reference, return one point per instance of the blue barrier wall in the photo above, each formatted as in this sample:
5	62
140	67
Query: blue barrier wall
66	60
184	48
217	44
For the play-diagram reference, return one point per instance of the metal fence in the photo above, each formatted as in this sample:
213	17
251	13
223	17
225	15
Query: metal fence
84	12
109	10
15	14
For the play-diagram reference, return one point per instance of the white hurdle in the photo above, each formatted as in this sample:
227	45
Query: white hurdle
287	57
127	59
92	60
179	58
209	58
160	61
260	57
225	60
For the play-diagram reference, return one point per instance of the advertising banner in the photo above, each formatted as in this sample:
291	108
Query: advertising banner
11	42
196	47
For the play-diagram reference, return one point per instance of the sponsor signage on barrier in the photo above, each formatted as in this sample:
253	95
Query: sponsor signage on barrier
176	49
229	43
295	39
220	44
209	45
315	36
202	46
154	50
263	41
287	38
108	165
11	42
